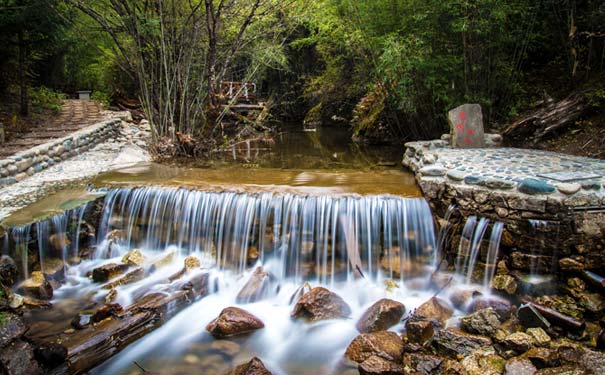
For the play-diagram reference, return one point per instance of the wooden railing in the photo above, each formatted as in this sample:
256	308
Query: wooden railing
241	91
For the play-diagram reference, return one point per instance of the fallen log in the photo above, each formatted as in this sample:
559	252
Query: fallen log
556	318
95	344
549	117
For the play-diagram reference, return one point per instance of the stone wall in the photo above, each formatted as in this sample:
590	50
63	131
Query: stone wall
36	159
545	221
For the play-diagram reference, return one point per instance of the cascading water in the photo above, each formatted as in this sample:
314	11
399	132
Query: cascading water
236	229
492	254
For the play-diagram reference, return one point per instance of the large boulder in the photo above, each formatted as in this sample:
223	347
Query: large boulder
384	344
11	329
436	310
18	358
253	367
36	287
483	322
380	316
319	304
256	288
234	321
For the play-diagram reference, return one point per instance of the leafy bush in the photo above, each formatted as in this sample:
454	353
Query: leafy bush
101	97
43	98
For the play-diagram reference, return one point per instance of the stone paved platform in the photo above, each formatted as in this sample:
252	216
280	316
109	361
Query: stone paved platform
519	188
529	172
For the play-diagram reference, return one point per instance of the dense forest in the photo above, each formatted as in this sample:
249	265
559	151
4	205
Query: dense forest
389	69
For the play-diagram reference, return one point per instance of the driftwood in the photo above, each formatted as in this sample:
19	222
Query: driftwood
549	117
95	344
556	318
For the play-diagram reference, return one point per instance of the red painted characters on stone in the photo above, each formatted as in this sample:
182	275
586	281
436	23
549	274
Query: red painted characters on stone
462	116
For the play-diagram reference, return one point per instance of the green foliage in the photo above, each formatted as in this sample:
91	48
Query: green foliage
101	97
43	98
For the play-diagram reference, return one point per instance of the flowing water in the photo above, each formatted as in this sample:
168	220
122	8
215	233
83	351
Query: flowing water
335	217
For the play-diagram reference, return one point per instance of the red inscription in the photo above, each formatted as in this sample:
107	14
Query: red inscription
467	141
460	126
470	131
462	115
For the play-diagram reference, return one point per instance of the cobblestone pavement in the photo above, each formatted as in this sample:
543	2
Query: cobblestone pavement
112	154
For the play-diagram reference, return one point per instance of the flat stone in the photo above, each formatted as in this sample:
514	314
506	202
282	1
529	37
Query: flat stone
591	185
533	186
474	180
568	188
496	183
433	171
456	175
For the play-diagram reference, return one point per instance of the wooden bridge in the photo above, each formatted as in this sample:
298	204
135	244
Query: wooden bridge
240	96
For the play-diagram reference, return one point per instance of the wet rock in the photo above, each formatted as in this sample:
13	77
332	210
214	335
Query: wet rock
17	301
382	315
51	354
542	357
483	322
54	271
191	263
483	362
59	241
18	358
501	306
530	317
505	283
385	344
422	363
254	367
538	336
134	258
106	311
570	264
36	287
400	268
108	271
8	271
256	288
132	276
453	342
319	304
593	302
519	366
233	321
11	328
376	365
434	309
519	342
419	331
162	261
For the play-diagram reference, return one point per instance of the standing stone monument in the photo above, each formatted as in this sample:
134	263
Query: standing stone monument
466	123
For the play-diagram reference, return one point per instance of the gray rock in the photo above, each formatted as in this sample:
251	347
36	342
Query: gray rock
483	322
466	125
568	188
456	175
433	171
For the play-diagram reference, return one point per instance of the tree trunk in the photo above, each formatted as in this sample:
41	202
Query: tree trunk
24	108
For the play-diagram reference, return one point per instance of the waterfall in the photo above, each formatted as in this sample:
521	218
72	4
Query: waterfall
492	254
60	227
306	234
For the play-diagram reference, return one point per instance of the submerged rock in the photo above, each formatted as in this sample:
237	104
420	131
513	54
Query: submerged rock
385	344
132	276
192	262
36	287
436	310
483	322
233	321
254	367
319	304
376	365
382	315
108	271
256	288
59	241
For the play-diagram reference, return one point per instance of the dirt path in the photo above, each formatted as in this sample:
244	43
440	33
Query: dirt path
75	115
